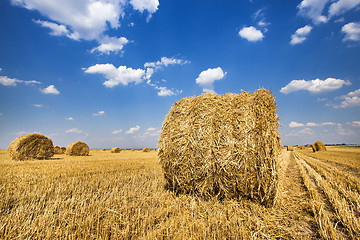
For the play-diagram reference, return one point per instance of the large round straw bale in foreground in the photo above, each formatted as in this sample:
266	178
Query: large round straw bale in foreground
290	148
318	146
222	145
78	149
31	146
115	150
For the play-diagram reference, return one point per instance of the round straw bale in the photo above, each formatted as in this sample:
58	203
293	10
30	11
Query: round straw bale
78	149
146	150
104	149
31	146
301	147
319	146
290	148
222	145
115	150
313	147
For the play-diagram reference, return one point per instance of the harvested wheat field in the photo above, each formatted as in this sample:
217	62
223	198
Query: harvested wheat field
111	196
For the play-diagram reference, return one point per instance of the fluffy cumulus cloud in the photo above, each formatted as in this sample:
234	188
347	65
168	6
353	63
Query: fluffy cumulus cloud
315	86
115	76
251	34
352	99
50	90
208	77
320	11
300	35
110	44
87	19
69	118
352	31
295	124
133	130
313	9
141	5
342	6
12	82
99	113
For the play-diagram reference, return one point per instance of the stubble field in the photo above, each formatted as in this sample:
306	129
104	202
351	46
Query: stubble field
122	196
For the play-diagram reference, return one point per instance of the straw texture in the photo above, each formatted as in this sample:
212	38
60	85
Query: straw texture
115	150
290	148
318	146
146	149
78	149
31	146
222	145
59	150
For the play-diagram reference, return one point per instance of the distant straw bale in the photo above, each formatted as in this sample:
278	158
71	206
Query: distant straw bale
222	145
31	146
115	150
313	147
290	148
301	147
104	149
59	150
78	149
319	146
146	149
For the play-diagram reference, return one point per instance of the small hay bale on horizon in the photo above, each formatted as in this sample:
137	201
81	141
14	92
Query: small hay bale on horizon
318	146
146	149
115	150
31	146
290	148
223	146
301	147
77	149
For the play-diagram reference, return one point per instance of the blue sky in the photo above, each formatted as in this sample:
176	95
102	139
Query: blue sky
108	71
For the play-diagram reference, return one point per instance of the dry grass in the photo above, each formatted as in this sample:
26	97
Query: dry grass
122	196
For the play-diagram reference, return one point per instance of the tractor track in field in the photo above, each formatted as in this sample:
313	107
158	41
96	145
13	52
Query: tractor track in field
335	214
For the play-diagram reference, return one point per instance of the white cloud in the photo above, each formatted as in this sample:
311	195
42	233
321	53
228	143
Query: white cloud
164	91
100	113
351	99
57	29
141	5
313	10
295	124
344	132
116	131
115	76
73	130
151	129
206	78
306	131
300	35
352	31
165	62
86	19
251	34
312	124
355	124
342	6
133	130
11	82
50	90
110	44
37	105
69	118
314	86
